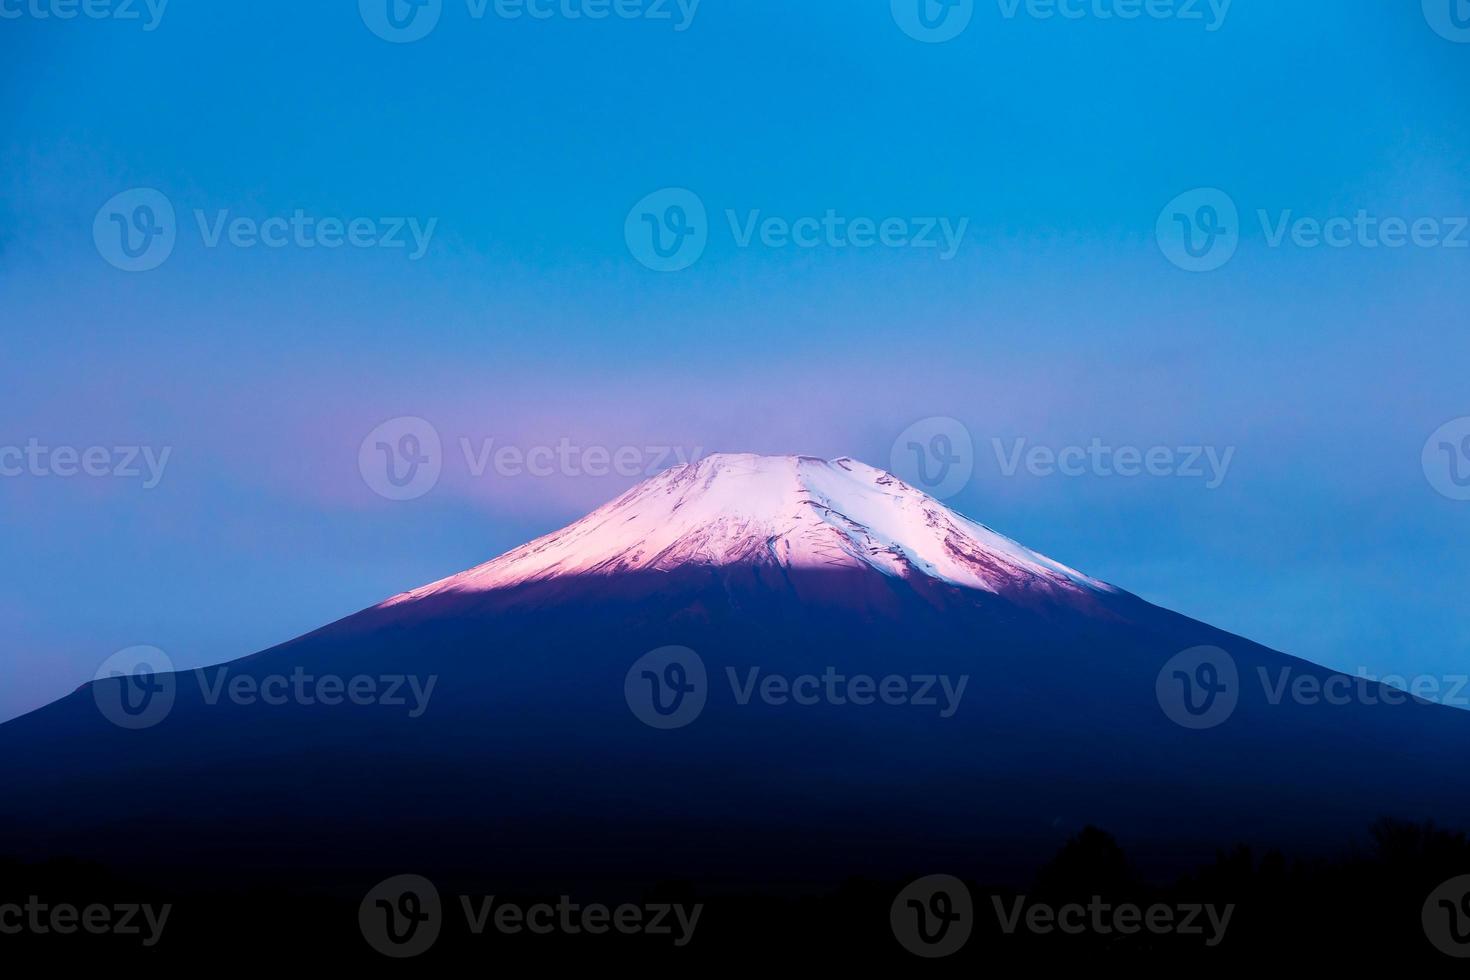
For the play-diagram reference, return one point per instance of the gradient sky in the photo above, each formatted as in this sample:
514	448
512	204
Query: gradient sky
528	321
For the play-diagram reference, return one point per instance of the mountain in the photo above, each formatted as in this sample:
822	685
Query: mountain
784	512
746	671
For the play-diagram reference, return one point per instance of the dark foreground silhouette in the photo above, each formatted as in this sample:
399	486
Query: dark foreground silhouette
1085	906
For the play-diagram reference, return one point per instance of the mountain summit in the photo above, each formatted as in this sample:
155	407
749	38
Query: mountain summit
536	752
787	512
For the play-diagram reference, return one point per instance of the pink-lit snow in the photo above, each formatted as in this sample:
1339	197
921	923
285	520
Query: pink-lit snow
793	511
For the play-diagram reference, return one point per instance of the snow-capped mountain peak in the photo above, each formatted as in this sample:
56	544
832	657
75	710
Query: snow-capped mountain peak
791	511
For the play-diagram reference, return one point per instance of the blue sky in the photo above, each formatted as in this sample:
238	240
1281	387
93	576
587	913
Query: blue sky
528	319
